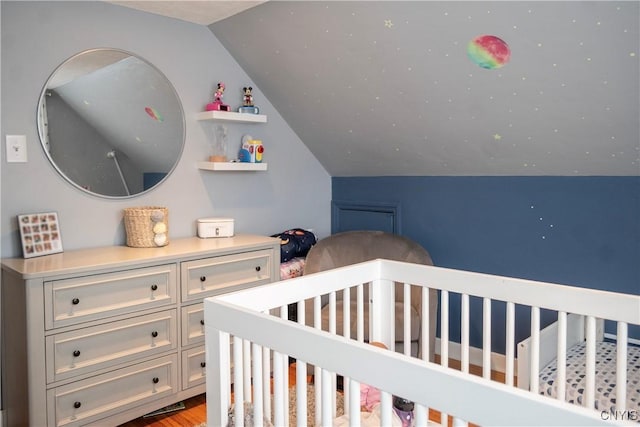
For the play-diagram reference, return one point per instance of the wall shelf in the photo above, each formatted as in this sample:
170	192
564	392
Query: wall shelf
231	116
232	166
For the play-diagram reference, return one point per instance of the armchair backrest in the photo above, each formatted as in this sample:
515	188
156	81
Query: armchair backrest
352	247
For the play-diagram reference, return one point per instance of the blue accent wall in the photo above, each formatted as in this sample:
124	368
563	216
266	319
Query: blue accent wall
579	231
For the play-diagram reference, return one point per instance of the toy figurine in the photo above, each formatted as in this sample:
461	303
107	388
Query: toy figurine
217	103
404	409
247	102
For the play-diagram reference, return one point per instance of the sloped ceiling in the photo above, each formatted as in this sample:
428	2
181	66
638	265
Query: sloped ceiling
202	12
387	87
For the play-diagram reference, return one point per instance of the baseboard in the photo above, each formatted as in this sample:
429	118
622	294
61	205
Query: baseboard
614	337
498	361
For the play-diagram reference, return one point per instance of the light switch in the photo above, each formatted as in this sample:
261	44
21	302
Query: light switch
16	148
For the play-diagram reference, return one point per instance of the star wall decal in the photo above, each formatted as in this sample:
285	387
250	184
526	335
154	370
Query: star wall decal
388	23
497	137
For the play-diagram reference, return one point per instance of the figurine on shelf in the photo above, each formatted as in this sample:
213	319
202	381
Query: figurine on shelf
247	102
217	104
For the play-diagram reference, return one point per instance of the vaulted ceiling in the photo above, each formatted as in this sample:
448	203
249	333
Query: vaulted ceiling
389	87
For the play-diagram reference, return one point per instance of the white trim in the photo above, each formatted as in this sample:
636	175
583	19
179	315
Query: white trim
498	361
614	337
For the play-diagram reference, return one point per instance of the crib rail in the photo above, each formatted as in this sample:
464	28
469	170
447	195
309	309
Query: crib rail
263	340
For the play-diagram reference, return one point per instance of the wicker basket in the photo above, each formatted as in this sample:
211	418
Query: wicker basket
147	226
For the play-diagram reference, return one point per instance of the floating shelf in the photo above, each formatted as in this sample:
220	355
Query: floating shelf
232	166
231	116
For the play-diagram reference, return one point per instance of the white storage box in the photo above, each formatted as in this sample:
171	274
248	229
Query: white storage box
215	227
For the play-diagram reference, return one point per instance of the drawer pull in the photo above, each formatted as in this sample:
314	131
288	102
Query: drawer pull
77	405
154	287
202	322
154	334
203	278
258	268
76	353
75	301
203	364
155	380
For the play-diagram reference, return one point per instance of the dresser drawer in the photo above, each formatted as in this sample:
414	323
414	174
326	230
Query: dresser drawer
89	400
192	324
71	301
193	367
212	276
90	349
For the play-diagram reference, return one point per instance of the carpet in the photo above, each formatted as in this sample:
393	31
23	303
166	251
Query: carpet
311	409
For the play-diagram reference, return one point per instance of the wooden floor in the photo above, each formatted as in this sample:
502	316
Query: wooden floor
195	412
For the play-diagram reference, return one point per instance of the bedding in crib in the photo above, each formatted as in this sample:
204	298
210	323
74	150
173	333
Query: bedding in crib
605	394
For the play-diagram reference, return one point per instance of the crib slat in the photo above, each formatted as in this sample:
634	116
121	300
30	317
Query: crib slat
258	412
561	364
590	376
386	408
464	333
534	386
246	367
280	405
266	381
444	328
238	380
406	304
346	312
332	313
284	360
317	373
354	403
325	405
219	392
391	310
444	340
301	393
301	312
510	343
360	310
317	315
621	368
426	326
421	415
486	338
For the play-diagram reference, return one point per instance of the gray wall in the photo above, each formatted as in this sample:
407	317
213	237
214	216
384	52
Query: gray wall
387	87
294	192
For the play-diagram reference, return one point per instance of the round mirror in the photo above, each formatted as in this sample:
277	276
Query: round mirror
111	123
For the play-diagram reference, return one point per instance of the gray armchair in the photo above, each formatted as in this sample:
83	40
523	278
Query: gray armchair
353	247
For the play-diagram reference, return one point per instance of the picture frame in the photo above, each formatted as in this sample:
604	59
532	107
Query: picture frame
40	234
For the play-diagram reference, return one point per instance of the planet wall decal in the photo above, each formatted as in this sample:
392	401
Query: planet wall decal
489	52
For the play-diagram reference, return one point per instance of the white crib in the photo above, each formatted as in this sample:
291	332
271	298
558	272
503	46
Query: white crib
250	342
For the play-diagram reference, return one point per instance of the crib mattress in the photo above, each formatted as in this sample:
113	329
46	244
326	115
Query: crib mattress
605	394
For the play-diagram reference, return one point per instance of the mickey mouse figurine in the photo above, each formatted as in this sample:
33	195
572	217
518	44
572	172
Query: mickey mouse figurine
247	102
217	99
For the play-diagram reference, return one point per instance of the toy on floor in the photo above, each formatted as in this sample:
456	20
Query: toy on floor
404	409
248	416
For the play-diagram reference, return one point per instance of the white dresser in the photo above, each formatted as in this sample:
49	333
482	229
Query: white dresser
102	336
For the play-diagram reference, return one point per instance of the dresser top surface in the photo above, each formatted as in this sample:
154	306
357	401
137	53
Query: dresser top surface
77	261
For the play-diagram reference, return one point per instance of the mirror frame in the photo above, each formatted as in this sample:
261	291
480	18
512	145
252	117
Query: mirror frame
41	125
